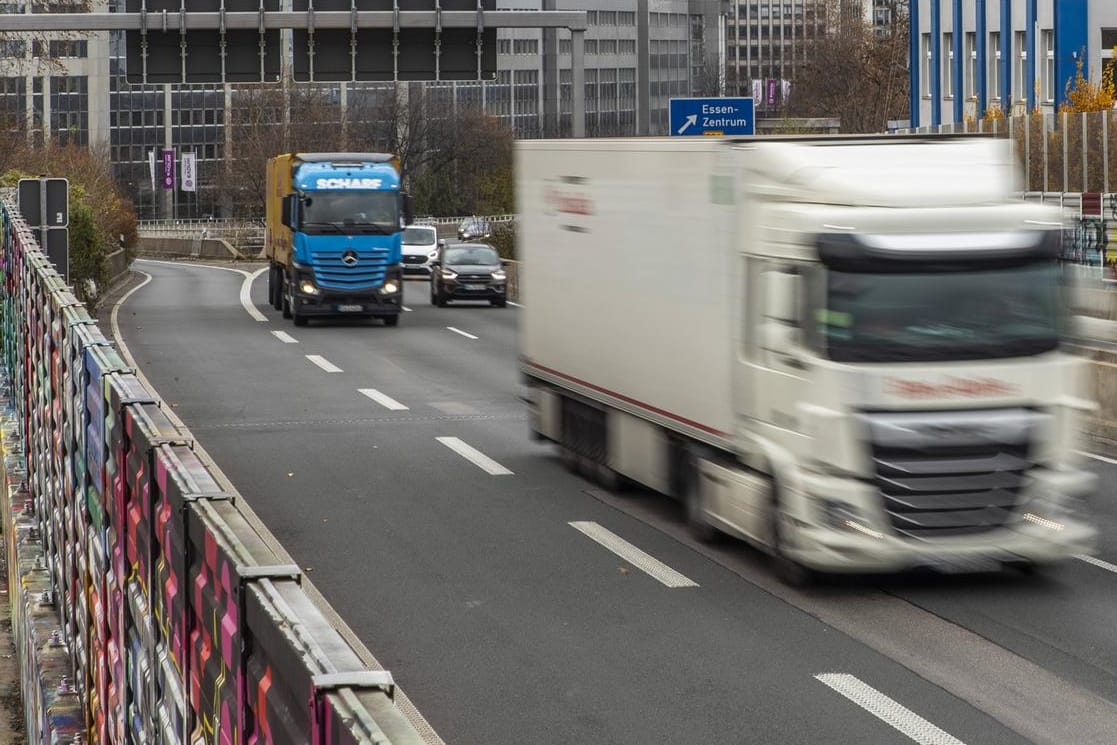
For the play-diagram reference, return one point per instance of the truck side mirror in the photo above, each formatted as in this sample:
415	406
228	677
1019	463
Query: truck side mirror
408	209
290	216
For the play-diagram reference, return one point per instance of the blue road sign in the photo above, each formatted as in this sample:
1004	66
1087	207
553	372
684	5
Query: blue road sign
712	116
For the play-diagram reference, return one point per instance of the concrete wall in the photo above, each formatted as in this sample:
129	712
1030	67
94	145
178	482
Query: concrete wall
189	248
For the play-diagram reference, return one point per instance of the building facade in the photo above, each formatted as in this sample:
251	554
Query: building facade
1017	56
638	55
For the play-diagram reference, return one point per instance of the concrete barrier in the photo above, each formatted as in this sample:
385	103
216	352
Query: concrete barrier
188	248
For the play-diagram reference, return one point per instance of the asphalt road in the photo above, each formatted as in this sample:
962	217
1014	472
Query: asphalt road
395	466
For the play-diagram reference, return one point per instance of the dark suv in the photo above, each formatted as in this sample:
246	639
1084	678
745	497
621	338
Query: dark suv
468	271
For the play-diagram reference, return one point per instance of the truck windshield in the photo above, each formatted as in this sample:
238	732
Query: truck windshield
357	211
1005	312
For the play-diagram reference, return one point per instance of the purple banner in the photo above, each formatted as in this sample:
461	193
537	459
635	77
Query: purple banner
168	168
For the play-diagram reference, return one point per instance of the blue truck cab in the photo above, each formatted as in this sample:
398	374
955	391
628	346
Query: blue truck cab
333	238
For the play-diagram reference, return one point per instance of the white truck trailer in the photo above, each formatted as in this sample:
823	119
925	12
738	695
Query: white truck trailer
844	351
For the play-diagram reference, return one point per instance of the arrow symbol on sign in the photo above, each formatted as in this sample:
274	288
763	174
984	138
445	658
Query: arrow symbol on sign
690	122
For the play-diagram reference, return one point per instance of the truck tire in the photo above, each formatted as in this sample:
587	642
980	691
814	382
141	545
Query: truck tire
786	569
391	320
696	522
275	287
300	319
285	300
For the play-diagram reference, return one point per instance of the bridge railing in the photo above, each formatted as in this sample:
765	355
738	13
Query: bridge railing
146	605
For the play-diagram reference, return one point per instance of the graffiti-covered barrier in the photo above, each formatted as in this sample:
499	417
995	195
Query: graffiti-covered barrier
146	607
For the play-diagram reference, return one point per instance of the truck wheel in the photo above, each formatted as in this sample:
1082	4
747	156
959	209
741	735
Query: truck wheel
440	301
391	320
285	300
300	319
275	287
499	302
695	517
786	569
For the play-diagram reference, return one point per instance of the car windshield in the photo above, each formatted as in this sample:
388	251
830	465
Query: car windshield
413	236
1008	312
472	255
350	210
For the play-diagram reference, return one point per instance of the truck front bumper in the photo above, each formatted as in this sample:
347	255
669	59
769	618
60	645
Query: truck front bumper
348	304
1035	536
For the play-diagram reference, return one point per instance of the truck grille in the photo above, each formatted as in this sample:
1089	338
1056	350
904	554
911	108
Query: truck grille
330	271
951	474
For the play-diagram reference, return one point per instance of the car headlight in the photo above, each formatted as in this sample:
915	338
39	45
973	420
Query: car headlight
499	274
447	274
307	287
390	287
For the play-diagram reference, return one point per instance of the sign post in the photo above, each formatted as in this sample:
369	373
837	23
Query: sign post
45	204
712	116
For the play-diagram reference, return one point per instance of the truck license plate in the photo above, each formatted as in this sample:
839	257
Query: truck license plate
350	308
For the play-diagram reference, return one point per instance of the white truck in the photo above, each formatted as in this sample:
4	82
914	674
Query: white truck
845	351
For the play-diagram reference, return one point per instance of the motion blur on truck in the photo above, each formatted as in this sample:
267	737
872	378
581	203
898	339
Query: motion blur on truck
333	235
843	351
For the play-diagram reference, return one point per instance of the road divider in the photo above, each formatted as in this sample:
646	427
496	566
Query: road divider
887	710
463	333
646	563
383	399
324	363
475	456
284	337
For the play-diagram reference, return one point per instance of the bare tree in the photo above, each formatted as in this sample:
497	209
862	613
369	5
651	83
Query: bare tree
265	121
856	72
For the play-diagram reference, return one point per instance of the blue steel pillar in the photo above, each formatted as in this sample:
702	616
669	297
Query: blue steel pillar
982	65
959	90
936	63
1030	44
915	64
1070	44
1006	56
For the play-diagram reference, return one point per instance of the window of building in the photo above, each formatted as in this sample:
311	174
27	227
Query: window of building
1047	54
591	90
970	60
1108	59
590	46
61	48
626	18
607	17
565	46
591	17
608	46
925	64
13	48
994	62
1019	87
627	46
948	65
504	46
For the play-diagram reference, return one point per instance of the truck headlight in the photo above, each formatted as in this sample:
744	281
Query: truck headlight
843	516
390	287
307	287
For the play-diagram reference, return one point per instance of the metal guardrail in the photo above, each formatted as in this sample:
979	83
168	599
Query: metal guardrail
146	605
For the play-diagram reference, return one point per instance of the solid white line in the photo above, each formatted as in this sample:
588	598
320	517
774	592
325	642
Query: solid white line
246	295
1095	456
384	400
887	710
324	363
1098	563
459	331
475	456
241	272
284	337
634	556
114	324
